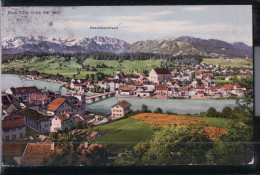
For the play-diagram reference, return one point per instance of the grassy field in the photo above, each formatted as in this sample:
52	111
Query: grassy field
125	130
220	82
142	126
216	122
233	62
54	65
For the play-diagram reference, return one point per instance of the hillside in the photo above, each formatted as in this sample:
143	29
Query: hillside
186	45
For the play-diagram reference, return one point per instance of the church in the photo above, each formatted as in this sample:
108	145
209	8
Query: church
160	75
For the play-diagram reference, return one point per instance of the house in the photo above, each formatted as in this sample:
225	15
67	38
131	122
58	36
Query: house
161	89
126	90
9	104
144	93
37	121
94	134
159	75
42	99
59	106
14	150
83	118
23	91
184	91
120	109
13	129
60	121
35	154
198	74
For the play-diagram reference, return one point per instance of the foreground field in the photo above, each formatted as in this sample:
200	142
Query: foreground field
141	127
234	62
125	130
157	120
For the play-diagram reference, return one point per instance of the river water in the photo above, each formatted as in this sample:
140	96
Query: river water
180	106
12	80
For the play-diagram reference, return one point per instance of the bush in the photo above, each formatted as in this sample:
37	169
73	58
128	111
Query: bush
212	112
226	112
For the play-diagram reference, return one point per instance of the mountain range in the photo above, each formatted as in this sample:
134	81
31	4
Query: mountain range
184	45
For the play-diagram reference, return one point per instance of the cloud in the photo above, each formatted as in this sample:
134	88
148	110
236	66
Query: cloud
195	8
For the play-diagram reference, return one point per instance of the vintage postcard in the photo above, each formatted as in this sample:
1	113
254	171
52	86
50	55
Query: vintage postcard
127	85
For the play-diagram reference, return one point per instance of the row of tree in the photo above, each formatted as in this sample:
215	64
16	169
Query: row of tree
81	57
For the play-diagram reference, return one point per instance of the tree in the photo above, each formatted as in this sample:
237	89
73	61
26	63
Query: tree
234	147
226	112
199	82
211	112
158	110
178	144
144	108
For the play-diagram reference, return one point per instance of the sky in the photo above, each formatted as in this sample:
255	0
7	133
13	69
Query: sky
229	23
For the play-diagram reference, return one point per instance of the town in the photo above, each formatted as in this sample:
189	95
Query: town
47	112
163	83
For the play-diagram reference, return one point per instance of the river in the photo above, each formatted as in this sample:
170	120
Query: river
12	80
180	106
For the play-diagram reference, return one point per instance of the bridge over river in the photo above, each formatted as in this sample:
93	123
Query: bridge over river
98	97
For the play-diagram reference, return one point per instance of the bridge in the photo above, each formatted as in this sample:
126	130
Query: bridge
98	97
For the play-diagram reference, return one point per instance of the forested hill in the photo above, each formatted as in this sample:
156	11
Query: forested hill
186	45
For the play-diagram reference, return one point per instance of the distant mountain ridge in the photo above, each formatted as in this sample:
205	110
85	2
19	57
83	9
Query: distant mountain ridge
184	45
61	45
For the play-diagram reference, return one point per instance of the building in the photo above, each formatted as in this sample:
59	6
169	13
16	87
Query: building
158	75
37	121
126	90
161	89
22	92
35	153
13	129
59	106
60	121
120	109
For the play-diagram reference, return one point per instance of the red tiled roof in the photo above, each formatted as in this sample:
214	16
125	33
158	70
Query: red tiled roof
63	117
207	74
228	86
238	86
8	124
85	116
125	88
162	71
55	104
200	87
13	149
23	90
93	134
35	154
198	72
214	89
161	86
184	88
124	104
